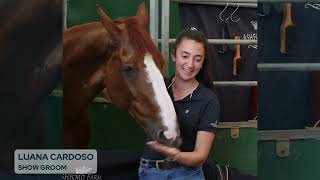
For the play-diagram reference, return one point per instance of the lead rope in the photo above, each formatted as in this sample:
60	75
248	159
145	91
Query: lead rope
227	170
221	177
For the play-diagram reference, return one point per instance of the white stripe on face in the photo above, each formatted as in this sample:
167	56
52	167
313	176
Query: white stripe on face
167	112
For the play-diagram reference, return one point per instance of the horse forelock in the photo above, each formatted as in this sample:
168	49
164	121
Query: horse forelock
142	43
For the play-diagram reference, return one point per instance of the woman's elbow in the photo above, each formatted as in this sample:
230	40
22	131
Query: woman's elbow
199	162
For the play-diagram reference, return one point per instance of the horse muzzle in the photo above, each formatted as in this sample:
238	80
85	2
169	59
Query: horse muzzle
162	135
172	142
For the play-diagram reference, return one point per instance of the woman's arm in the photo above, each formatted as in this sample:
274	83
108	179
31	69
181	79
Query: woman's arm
196	158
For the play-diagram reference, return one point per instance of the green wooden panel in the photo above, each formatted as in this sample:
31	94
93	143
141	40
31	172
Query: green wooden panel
52	107
82	11
301	164
114	128
240	153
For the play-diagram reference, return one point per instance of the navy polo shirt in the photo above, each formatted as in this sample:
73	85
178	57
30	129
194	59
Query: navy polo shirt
199	111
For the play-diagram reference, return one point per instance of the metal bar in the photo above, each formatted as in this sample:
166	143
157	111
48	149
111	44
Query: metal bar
243	124
235	83
154	20
244	5
288	66
100	100
223	41
59	93
212	1
310	133
65	8
165	33
238	1
294	1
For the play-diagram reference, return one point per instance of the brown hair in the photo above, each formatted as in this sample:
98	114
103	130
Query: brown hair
205	75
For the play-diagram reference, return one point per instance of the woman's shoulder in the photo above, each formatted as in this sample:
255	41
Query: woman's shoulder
207	94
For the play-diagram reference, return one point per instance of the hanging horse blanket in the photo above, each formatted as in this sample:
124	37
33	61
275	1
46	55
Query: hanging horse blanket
285	100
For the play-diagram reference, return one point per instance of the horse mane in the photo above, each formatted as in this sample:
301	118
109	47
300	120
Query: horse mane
143	42
70	32
93	44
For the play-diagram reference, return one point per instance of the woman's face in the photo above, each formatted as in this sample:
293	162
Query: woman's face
189	57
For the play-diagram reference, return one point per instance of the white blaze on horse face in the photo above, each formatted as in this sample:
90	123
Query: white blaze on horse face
167	112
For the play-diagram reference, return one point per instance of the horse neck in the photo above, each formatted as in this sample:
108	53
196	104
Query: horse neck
85	49
84	43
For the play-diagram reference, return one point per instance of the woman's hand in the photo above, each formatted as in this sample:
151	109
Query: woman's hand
194	158
169	152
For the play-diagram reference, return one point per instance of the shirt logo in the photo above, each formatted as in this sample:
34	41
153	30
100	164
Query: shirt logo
215	124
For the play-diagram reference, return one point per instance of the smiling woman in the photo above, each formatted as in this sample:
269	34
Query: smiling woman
197	109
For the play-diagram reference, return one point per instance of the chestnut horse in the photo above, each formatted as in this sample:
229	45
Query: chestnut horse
118	60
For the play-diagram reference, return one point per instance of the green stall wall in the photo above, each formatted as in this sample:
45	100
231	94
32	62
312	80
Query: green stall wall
53	112
240	153
301	164
115	129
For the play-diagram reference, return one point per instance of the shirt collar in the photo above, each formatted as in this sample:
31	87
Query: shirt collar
194	95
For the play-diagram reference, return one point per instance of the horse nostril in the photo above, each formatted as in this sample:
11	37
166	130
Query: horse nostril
160	135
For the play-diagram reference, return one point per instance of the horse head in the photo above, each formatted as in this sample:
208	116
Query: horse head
133	78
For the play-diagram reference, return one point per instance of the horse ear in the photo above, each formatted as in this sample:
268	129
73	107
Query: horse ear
106	21
142	15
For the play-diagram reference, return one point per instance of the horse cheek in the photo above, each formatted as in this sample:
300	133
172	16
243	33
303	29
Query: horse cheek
116	86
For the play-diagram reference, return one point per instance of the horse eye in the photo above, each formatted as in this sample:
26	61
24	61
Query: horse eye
128	70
